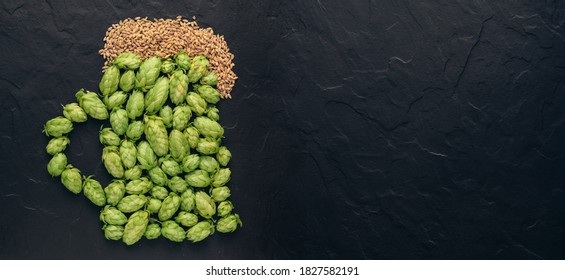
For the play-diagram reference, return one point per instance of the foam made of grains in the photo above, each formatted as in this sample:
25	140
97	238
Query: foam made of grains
166	37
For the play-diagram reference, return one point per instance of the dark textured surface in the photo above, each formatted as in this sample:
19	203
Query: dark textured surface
381	130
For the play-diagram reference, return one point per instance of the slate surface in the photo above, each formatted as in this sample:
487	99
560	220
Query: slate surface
360	129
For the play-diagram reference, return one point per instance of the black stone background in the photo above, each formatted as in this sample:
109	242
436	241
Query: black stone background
401	129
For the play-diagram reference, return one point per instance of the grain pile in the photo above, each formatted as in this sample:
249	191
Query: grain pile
166	37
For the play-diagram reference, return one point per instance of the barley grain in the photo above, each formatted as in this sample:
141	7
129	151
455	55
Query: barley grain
166	37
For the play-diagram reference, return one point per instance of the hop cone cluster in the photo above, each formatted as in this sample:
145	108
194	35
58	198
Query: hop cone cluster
163	146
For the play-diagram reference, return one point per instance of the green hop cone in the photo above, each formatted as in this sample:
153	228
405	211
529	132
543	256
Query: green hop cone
209	164
198	178
115	100
170	166
192	136
200	231
220	194
93	190
228	223
110	81
169	207
145	156
210	79
213	114
112	216
210	94
158	176
172	231
178	87
135	130
115	192
58	145
113	162
166	114
132	203
133	173
127	60
196	103
198	67
71	179
181	116
157	96
57	164
148	73
221	177
92	105
205	205
113	232
139	186
186	219
223	156
208	146
159	192
224	208
187	200
178	145
190	163
127	81
135	227
157	135
135	105
128	153
74	113
58	127
178	184
109	138
153	231
182	60
154	205
119	121
208	127
167	66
